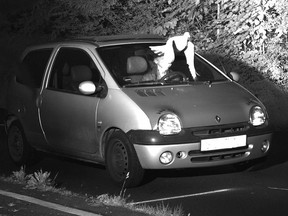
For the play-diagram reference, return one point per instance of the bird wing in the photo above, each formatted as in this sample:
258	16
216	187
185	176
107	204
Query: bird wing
189	54
159	50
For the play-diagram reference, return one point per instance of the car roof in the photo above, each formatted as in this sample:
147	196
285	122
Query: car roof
100	41
119	39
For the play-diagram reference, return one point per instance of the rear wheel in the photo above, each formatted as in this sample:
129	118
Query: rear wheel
19	149
122	162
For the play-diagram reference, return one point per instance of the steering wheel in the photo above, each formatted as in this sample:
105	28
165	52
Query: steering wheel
173	76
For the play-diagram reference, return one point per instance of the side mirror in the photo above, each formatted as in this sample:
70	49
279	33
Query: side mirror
87	88
235	76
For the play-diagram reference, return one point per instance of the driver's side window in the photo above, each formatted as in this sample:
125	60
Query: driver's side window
71	67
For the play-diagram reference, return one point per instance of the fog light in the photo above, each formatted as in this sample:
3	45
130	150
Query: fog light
166	157
265	146
181	154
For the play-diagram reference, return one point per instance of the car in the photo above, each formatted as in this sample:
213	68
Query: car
100	99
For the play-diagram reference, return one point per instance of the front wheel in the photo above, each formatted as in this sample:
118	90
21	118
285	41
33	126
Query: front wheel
19	149
122	162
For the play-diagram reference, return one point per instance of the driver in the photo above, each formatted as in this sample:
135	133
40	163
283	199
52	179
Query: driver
153	73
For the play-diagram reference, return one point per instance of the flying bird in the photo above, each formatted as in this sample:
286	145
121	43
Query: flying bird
167	53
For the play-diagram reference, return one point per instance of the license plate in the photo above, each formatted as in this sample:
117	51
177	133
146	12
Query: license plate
223	143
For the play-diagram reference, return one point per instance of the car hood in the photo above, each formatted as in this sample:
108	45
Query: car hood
196	105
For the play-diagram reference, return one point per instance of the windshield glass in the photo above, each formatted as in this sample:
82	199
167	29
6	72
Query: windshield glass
137	65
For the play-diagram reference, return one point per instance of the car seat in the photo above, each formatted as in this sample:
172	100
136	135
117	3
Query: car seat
136	67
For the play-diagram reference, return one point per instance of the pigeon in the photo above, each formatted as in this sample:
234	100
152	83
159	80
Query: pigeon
166	53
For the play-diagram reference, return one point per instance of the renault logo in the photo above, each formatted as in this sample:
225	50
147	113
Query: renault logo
218	119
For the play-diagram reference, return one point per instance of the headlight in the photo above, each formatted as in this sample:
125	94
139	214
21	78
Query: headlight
257	116
169	124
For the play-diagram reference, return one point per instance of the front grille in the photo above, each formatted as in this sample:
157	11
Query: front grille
217	155
218	131
221	130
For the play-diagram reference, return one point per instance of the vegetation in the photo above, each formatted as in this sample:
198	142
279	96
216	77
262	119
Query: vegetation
252	32
42	181
38	180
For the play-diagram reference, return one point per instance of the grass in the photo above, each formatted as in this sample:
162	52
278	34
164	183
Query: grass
42	181
20	176
38	180
159	210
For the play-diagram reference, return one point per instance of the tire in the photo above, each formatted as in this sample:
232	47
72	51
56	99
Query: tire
20	152
121	159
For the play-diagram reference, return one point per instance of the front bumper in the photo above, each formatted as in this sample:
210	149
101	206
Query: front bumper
150	152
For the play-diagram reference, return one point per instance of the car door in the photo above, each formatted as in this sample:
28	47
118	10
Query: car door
24	92
69	117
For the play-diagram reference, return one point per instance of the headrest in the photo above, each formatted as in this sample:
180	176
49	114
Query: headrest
136	64
81	73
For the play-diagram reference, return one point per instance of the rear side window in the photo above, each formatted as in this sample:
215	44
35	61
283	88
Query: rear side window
32	68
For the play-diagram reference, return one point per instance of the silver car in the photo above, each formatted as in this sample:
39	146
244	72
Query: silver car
100	100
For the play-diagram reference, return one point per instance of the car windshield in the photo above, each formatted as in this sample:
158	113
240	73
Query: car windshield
137	65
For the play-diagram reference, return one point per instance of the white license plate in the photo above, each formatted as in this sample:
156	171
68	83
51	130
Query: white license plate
223	143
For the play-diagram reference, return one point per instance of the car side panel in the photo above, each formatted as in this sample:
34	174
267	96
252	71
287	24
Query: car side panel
22	103
69	121
117	110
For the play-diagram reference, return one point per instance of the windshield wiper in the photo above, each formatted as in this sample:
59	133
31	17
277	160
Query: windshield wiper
157	83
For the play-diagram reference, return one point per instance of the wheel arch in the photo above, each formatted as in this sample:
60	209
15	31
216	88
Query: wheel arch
10	120
121	160
104	141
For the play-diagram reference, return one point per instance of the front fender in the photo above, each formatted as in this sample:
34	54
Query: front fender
118	110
